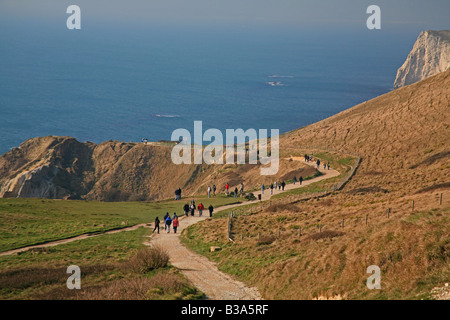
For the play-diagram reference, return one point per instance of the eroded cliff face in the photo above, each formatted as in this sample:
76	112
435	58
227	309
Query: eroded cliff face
430	55
64	168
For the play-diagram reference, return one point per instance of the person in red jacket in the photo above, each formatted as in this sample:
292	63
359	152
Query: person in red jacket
200	208
175	224
227	186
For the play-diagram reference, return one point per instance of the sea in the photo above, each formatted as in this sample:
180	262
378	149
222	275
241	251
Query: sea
127	83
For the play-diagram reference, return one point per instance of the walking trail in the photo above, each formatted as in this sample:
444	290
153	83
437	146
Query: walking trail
203	273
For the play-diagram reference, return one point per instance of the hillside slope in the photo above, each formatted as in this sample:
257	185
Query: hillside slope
394	213
402	136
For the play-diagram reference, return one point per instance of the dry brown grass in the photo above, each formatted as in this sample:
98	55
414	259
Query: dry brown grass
142	288
403	138
411	248
148	259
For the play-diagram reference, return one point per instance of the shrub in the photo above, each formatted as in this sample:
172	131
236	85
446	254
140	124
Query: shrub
149	259
250	196
266	240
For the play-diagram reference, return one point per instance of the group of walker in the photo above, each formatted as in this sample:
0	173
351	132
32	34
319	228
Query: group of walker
188	210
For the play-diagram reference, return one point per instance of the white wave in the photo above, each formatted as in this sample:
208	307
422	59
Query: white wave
167	115
275	83
278	76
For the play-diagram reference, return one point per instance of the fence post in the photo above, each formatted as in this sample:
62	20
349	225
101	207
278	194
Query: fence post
440	199
413	205
366	218
342	224
388	212
320	228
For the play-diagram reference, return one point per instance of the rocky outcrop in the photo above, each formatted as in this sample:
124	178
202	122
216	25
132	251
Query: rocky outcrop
430	55
64	168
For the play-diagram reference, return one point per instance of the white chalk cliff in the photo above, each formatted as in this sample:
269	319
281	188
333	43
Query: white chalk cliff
430	55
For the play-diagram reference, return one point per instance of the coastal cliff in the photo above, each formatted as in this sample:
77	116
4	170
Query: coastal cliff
63	168
430	55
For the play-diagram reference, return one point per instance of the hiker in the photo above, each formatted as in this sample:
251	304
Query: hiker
271	188
211	209
214	189
324	166
156	224
235	192
174	216
328	164
275	185
193	202
300	180
294	180
279	186
200	208
192	208
318	163
209	191
168	223
282	185
242	189
186	209
262	189
178	194
165	217
227	186
176	223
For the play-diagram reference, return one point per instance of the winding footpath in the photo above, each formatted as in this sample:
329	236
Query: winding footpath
201	272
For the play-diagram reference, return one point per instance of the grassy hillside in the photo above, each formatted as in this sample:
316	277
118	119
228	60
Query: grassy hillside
25	222
390	214
107	267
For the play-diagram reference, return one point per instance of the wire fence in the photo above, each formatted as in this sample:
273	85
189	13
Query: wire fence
251	209
316	231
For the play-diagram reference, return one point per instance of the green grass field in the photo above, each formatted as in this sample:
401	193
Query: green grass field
25	222
105	272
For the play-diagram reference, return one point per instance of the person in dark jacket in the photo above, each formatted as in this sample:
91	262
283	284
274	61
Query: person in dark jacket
168	222
186	209
283	185
165	217
300	180
211	209
156	224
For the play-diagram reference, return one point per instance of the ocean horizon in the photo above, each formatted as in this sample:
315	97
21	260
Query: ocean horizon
126	84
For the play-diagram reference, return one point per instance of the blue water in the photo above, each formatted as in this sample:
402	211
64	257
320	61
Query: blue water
125	84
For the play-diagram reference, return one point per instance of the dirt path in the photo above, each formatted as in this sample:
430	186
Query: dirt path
80	237
203	273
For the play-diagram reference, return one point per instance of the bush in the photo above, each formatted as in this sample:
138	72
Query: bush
265	240
250	196
149	259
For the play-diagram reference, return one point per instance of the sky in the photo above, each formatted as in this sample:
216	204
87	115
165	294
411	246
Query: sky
395	14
